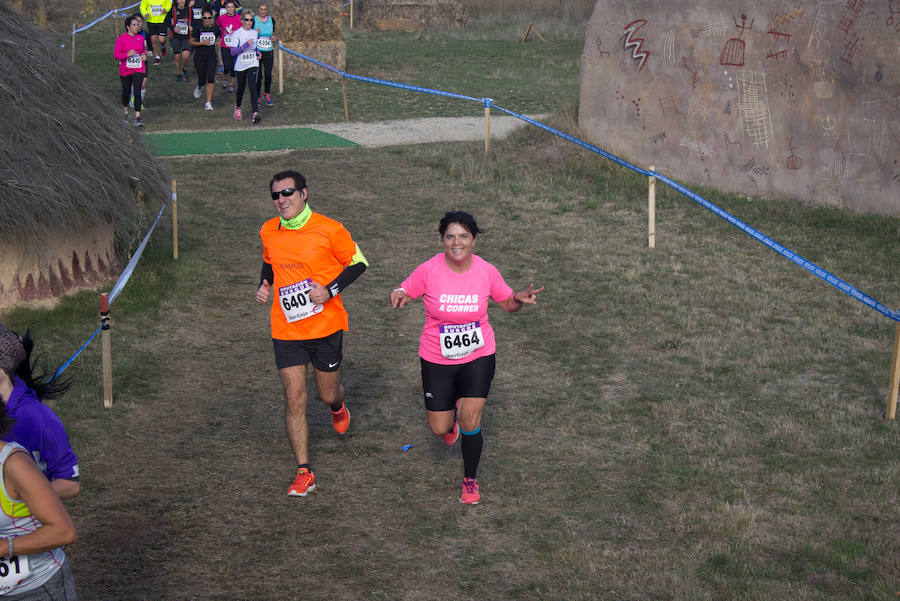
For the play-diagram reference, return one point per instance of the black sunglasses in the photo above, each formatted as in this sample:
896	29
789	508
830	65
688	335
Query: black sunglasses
286	192
250	20
209	17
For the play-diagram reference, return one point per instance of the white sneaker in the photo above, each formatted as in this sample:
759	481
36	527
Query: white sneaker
208	106
197	92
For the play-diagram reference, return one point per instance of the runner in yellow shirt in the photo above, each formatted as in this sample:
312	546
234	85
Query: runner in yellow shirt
155	12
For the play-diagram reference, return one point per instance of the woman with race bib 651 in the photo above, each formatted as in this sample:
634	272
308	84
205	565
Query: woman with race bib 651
457	343
246	64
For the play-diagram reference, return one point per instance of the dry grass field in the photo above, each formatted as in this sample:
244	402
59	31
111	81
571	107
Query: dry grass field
698	421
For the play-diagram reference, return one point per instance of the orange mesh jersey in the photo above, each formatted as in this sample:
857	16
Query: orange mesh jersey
318	251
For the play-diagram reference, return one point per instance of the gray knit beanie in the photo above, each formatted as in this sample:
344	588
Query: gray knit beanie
12	352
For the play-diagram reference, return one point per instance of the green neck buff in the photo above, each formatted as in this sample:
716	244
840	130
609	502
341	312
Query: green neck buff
299	221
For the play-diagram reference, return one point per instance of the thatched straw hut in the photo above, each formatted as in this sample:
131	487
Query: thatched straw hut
74	177
312	28
411	15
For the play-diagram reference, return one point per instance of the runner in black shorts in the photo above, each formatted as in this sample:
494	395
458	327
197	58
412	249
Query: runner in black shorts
203	40
308	260
178	20
457	343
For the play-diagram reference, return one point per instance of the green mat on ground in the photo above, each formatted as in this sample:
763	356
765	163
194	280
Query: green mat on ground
219	142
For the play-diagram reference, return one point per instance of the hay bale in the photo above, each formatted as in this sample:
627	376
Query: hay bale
71	170
404	14
307	20
331	53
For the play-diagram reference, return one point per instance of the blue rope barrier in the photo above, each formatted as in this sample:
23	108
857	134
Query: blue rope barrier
392	84
783	251
117	288
126	273
114	11
759	236
63	367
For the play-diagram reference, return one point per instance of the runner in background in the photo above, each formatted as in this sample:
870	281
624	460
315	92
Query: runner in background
197	7
228	22
131	52
301	251
265	25
178	21
155	12
203	40
456	348
246	65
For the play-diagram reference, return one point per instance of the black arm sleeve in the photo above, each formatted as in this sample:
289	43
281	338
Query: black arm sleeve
345	278
266	274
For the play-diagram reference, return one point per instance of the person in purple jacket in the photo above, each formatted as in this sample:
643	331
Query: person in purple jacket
37	427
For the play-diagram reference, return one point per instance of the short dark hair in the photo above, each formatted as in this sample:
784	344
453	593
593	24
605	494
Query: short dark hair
460	217
296	176
131	19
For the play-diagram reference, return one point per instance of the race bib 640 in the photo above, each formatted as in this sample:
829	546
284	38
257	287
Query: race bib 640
295	301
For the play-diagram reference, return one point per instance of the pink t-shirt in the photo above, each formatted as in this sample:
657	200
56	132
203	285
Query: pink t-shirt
456	319
228	25
124	43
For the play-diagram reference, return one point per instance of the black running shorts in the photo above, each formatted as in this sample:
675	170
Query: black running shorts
325	354
443	385
160	29
180	45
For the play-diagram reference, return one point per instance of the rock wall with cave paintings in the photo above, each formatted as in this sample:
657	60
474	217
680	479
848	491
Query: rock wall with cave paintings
797	99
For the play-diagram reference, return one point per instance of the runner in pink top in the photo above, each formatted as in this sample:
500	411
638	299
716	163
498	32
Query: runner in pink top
228	22
455	299
131	52
457	345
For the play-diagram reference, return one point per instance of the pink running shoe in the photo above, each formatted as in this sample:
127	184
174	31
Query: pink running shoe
237	114
470	494
451	436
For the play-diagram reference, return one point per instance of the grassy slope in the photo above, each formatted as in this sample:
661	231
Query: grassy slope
698	421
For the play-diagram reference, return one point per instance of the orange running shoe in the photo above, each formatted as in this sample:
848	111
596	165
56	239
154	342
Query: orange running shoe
470	494
303	483
340	419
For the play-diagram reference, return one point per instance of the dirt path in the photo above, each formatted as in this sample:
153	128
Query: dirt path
422	131
374	134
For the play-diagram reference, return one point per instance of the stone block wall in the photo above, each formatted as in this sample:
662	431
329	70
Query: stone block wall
796	99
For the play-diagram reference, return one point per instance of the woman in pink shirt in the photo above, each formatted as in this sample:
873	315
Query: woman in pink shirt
229	22
457	345
131	52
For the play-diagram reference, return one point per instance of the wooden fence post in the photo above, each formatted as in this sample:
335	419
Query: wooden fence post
346	105
890	411
106	350
651	211
527	31
487	126
174	222
73	43
351	14
280	69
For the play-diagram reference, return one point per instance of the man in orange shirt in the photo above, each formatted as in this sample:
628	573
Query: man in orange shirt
302	251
